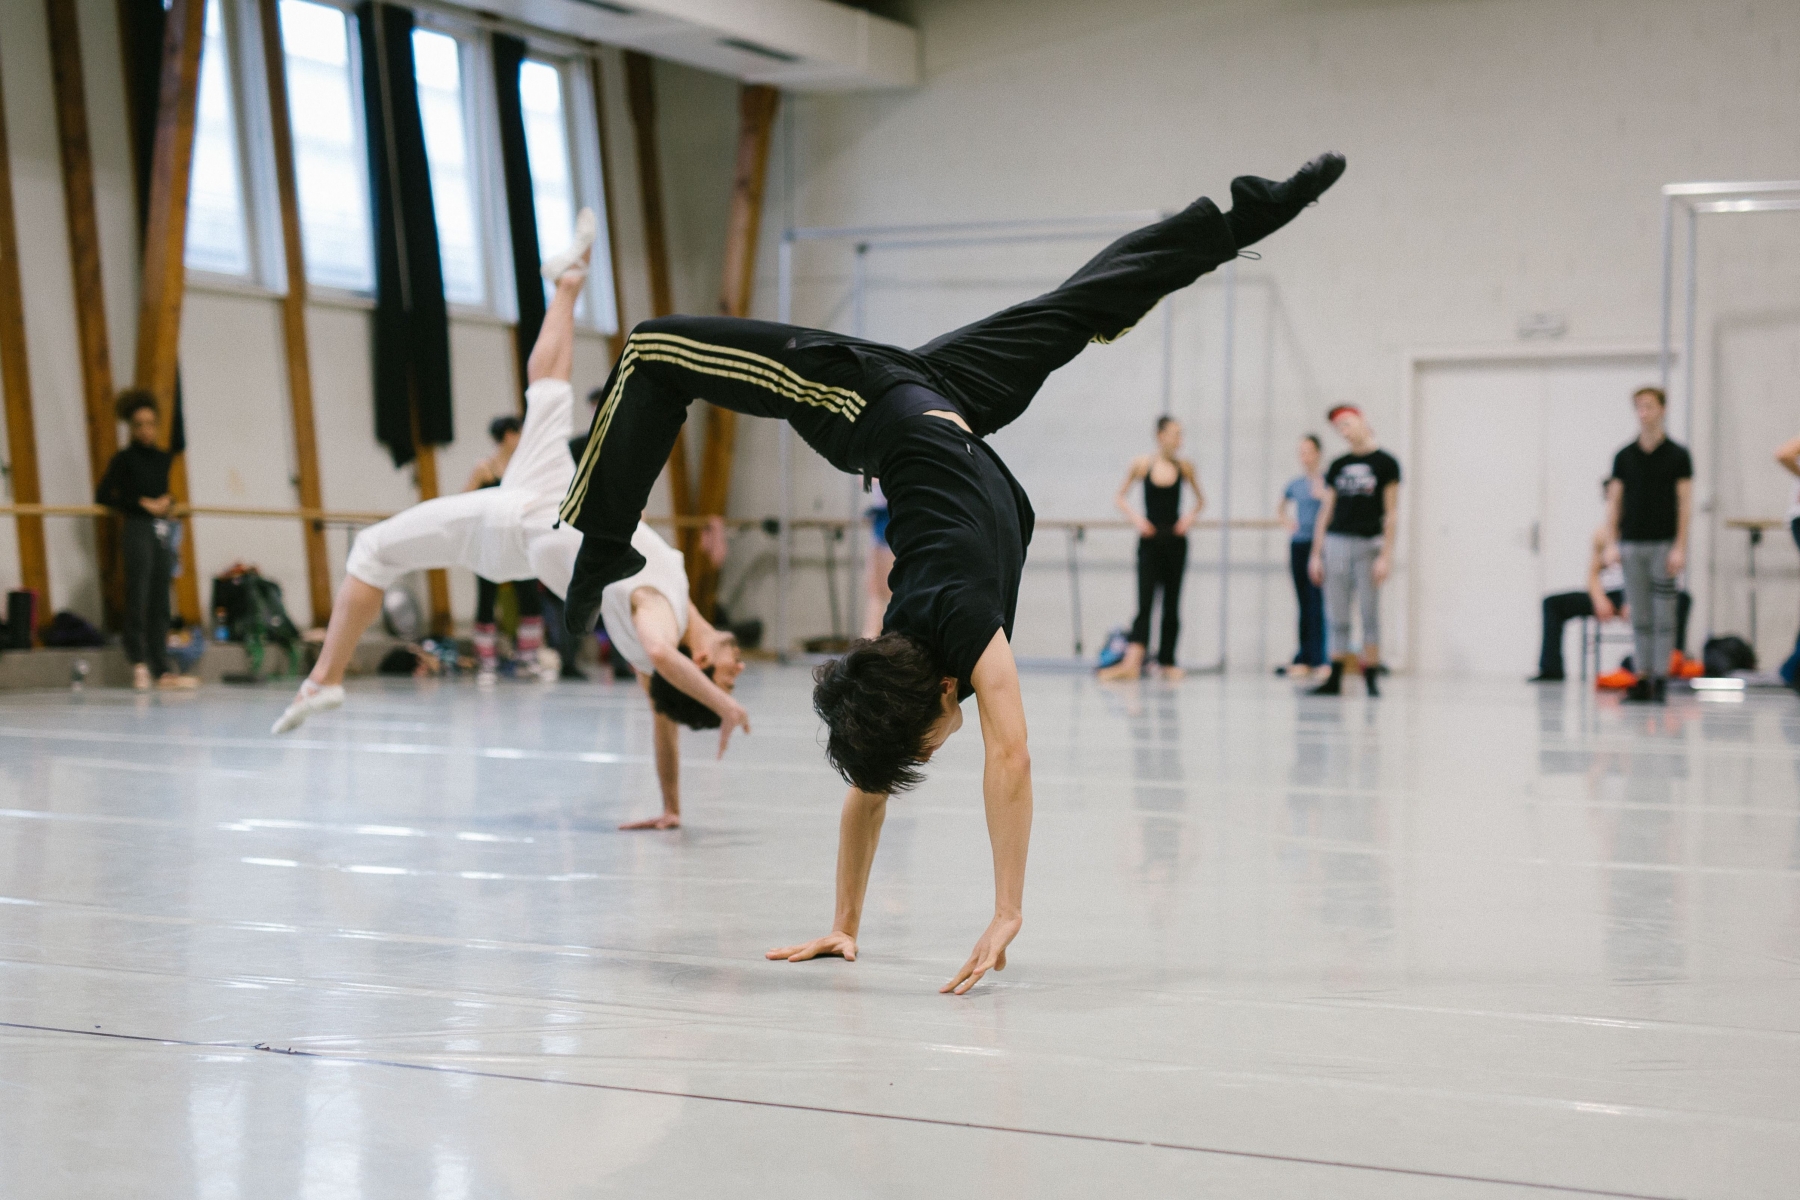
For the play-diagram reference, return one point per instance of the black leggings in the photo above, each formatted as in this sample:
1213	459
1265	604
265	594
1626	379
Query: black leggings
821	383
1161	563
148	567
525	595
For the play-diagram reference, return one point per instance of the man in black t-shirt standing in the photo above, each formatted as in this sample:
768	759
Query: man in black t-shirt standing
1648	502
1353	544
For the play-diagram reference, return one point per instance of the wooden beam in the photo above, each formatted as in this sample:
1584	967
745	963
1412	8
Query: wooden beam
617	340
15	378
164	278
293	314
90	295
437	582
757	106
640	84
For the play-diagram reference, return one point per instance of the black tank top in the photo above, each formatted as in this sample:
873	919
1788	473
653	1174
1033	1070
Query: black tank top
1162	505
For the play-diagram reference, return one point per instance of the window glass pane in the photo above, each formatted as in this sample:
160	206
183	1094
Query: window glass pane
330	170
547	144
216	237
437	65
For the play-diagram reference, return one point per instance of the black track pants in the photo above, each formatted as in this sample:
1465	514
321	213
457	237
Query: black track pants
821	383
148	566
1161	563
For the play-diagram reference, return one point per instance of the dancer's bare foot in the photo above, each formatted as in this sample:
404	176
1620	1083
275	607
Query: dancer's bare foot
665	821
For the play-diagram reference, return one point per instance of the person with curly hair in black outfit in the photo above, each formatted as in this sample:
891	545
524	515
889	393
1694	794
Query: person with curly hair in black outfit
960	523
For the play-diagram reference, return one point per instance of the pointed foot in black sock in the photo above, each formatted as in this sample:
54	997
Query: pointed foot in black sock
1261	206
597	564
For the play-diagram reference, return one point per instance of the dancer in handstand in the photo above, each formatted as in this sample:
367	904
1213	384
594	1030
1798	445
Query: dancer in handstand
960	522
511	532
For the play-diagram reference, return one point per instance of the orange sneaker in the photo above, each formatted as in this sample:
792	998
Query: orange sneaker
1616	681
1682	667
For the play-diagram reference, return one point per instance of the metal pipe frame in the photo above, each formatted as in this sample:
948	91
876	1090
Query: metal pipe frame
1699	200
990	233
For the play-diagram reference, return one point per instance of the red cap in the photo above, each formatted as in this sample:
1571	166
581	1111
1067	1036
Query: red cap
1342	408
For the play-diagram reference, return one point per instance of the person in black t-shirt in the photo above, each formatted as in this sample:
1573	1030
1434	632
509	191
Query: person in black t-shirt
1648	503
960	523
1353	544
136	484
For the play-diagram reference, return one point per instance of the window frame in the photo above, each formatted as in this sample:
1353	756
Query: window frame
247	80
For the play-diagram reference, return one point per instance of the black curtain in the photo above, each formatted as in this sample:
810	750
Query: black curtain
521	204
141	28
412	322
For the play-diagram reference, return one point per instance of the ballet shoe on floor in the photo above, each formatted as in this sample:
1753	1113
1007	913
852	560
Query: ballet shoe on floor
1261	206
311	701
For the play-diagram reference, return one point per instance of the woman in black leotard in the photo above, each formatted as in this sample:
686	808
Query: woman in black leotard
1162	548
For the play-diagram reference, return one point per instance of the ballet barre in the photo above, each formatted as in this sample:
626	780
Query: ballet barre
322	516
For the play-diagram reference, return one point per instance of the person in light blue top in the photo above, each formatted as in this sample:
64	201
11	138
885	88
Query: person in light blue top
1299	511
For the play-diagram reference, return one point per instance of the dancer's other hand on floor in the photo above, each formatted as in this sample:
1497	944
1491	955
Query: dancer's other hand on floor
989	954
832	945
666	820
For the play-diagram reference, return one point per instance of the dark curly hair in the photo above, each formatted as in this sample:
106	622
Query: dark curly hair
131	400
499	427
879	701
677	705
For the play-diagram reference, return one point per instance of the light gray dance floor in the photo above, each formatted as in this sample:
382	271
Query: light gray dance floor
1477	941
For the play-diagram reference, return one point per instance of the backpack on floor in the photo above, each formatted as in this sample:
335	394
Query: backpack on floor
1726	654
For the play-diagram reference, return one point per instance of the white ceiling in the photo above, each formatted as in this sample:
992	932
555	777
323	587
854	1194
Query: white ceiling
799	45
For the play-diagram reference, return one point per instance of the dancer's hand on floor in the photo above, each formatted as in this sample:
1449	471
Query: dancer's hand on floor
737	717
989	954
832	945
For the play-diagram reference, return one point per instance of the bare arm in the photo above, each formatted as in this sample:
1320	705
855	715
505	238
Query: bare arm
1006	794
480	477
656	630
1134	473
859	833
1684	511
1315	566
1615	501
1788	455
1390	529
1193	478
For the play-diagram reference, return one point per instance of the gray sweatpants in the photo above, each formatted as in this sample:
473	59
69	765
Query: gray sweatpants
1651	592
1350	576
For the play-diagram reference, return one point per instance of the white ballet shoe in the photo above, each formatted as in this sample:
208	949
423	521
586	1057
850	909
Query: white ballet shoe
587	226
311	701
549	665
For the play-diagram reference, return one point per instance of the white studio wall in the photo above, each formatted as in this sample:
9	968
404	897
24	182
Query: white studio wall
1506	158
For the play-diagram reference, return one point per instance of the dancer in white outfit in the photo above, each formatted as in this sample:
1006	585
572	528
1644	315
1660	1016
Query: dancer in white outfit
511	532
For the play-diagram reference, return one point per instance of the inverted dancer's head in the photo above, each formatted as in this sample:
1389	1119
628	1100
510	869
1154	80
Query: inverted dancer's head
888	707
723	668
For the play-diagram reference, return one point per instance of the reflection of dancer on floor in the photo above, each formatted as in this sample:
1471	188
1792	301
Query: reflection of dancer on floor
511	532
960	524
881	561
1162	548
488	472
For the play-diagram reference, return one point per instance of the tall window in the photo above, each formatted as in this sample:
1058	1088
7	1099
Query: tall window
437	63
329	163
217	239
547	145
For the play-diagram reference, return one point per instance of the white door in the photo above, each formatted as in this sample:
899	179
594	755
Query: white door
1509	461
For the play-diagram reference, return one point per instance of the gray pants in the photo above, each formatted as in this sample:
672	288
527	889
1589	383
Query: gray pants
1651	592
1350	576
